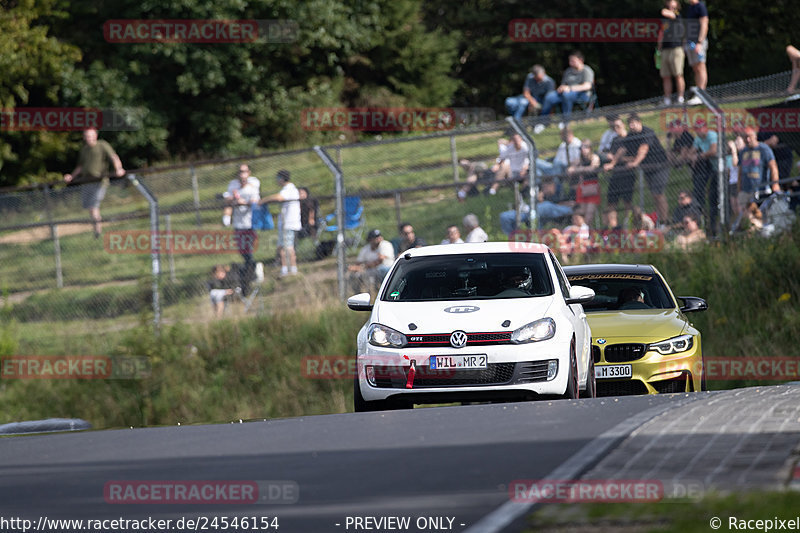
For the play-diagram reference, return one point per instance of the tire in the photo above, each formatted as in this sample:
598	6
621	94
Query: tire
573	391
591	382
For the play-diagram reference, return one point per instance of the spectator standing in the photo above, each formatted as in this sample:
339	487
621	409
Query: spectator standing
697	44
453	236
651	157
373	262
670	45
794	57
604	148
701	158
241	198
473	228
577	84
242	173
757	168
289	222
309	214
680	143
537	85
583	177
622	180
92	171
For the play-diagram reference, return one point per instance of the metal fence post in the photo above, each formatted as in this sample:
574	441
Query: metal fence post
170	254
533	154
340	244
155	243
54	235
454	157
195	195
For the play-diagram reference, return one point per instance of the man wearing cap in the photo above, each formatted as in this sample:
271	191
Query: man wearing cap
289	222
373	262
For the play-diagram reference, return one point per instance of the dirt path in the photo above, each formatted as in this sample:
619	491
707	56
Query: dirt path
27	236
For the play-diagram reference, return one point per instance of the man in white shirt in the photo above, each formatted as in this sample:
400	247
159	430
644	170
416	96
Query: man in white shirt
373	262
474	231
242	194
243	177
289	222
568	152
453	236
512	162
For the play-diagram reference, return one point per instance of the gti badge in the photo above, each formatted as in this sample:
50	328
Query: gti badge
601	341
461	309
458	339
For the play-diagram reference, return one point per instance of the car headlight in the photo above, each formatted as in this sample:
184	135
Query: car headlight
540	330
380	335
673	345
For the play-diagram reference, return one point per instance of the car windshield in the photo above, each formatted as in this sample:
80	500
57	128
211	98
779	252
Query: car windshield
622	292
469	276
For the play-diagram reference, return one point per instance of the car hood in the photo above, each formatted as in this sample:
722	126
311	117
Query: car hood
467	315
646	325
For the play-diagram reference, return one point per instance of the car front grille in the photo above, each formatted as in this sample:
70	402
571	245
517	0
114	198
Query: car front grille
494	374
437	340
620	388
596	353
623	353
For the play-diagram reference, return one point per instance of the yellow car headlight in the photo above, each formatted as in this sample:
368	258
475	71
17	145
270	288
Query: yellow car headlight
673	345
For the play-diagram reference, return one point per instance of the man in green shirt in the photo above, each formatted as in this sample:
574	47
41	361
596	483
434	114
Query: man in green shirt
92	172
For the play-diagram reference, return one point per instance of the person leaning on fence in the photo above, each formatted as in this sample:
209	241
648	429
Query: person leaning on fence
242	177
407	238
241	198
583	178
92	170
701	157
652	159
289	222
604	146
537	85
758	171
473	228
372	264
220	288
622	180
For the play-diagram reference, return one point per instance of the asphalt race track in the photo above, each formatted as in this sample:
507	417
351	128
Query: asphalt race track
449	466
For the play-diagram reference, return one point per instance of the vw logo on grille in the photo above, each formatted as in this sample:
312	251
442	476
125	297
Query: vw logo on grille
458	339
601	341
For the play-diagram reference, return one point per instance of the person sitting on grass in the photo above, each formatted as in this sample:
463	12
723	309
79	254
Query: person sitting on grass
219	288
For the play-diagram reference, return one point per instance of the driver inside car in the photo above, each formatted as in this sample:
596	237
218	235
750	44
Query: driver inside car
517	281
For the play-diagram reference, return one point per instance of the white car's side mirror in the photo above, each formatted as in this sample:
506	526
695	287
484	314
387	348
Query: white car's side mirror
360	302
579	295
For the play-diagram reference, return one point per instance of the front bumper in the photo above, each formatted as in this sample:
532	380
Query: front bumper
513	371
652	373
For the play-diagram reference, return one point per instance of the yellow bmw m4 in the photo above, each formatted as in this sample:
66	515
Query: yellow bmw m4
642	342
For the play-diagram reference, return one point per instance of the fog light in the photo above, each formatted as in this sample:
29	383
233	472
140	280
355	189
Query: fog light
552	369
370	371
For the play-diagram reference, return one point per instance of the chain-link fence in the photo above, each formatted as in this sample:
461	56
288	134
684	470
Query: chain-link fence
58	277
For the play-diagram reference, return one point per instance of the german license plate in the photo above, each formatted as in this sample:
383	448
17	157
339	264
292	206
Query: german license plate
613	371
458	362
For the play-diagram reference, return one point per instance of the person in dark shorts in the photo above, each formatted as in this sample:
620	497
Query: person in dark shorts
92	173
623	178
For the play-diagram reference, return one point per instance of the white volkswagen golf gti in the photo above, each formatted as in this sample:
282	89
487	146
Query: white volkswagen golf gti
473	322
